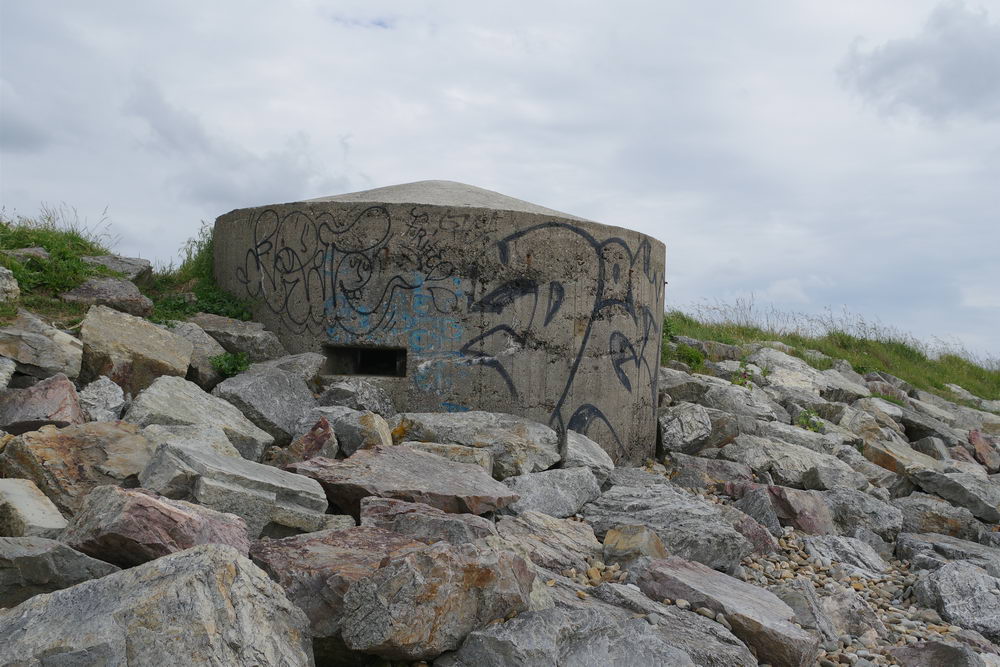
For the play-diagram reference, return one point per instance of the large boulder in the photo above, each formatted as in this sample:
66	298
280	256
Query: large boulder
923	513
175	401
320	440
52	401
701	473
457	453
786	463
853	509
355	429
27	512
423	522
683	427
358	394
115	293
205	606
406	474
977	494
423	603
555	544
582	452
66	464
855	557
965	595
756	615
272	502
194	436
249	338
10	291
31	566
688	526
39	349
136	269
131	526
518	445
204	348
130	350
929	551
102	400
560	492
273	399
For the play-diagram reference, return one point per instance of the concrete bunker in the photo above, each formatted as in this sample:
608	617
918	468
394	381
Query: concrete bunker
457	298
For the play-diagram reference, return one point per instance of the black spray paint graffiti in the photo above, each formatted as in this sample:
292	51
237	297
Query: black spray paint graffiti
618	271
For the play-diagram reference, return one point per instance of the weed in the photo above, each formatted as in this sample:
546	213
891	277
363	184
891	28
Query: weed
889	399
690	356
810	421
229	364
743	377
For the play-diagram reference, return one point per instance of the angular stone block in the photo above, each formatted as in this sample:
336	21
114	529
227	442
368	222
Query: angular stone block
27	512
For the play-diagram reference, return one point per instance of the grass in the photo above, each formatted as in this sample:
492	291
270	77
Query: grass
66	238
229	364
867	346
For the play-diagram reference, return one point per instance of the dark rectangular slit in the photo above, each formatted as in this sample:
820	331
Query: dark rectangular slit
361	360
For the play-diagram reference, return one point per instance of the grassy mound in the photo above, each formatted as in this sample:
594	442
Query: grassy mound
867	346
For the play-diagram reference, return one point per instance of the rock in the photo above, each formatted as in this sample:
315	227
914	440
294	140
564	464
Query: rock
423	522
175	401
918	425
457	453
755	532
851	615
10	291
24	254
923	513
317	569
699	473
276	401
204	606
684	427
635	477
555	544
934	654
422	603
134	269
707	642
852	509
807	511
66	464
560	637
932	447
986	450
250	338
965	595
582	452
102	400
115	293
898	457
7	369
855	557
624	544
128	527
758	617
31	566
199	437
930	551
559	492
40	350
129	350
743	401
789	371
976	494
823	478
358	394
307	366
799	594
203	349
684	387
27	512
406	474
52	401
518	445
319	441
758	504
689	527
785	462
272	502
355	430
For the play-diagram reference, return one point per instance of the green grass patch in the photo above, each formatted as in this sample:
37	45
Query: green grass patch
866	346
889	399
229	364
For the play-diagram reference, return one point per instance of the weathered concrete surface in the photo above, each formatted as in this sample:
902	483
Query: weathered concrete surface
500	305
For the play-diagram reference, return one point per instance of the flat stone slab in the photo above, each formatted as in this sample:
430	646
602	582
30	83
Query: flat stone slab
66	464
555	544
979	495
175	401
270	500
205	606
132	526
854	556
406	474
559	492
457	453
786	463
115	293
423	522
39	349
757	616
27	512
31	566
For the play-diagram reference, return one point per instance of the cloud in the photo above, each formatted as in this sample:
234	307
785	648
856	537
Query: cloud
950	69
17	131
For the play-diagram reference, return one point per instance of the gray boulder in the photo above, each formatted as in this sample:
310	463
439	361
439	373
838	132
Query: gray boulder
689	527
683	427
272	502
559	493
10	291
40	350
965	595
555	544
786	463
930	551
423	522
175	401
582	452
823	478
800	595
306	365
355	430
275	401
27	512
358	394
855	557
236	336
30	566
852	509
132	268
115	293
203	349
850	614
205	606
202	437
102	400
923	513
935	653
977	494
701	473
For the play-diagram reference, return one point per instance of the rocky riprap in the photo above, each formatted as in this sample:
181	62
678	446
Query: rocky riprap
153	512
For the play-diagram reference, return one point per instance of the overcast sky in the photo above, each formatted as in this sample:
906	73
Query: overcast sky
834	154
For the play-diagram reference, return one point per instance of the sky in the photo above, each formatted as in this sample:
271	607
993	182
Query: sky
803	155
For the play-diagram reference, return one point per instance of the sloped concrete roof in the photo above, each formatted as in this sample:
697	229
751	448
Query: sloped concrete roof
444	193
